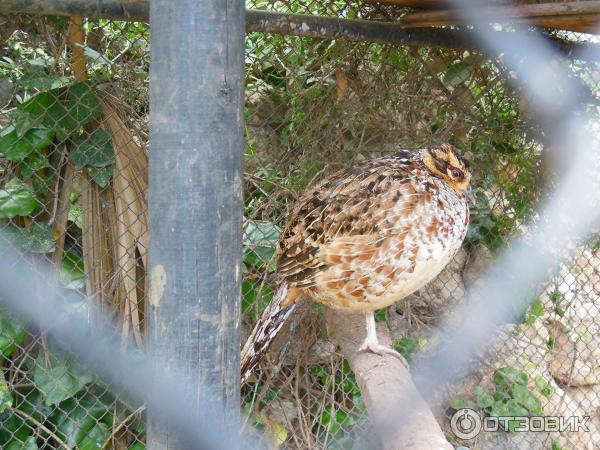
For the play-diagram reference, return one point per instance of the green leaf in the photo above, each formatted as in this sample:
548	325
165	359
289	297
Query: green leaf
506	376
381	315
11	144
513	408
102	176
83	421
12	334
14	429
260	242
406	347
6	400
29	444
45	109
526	399
15	148
16	199
336	420
59	379
23	122
548	391
535	310
460	403
93	149
94	438
35	161
96	59
250	297
39	241
82	103
39	138
483	400
541	383
456	74
137	446
76	215
71	268
30	401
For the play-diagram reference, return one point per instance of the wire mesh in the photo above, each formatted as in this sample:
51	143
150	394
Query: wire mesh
72	191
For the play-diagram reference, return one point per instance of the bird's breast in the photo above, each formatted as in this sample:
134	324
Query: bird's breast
398	264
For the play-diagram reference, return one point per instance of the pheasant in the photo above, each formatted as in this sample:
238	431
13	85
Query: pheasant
365	238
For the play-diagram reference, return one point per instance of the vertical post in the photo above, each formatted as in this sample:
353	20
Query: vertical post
195	204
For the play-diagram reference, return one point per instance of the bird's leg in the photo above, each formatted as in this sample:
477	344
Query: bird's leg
371	344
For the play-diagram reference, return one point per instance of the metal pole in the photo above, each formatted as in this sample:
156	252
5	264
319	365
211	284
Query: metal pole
195	205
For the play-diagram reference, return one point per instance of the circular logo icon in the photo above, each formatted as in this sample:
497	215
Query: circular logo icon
465	423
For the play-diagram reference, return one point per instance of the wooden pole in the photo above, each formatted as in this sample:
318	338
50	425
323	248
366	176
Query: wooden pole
195	207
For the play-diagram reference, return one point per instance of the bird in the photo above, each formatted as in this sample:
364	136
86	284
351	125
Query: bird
367	237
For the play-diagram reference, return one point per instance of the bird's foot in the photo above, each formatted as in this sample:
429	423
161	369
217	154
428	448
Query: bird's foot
382	350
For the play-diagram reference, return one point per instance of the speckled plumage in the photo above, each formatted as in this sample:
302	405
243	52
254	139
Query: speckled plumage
363	239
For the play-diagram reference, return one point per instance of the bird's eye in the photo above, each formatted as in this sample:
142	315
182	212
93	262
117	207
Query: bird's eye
455	172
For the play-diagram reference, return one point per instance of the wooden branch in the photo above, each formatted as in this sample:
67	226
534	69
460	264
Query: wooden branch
561	15
296	25
386	386
76	42
439	3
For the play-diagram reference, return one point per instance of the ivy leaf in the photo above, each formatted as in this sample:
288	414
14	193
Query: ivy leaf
71	268
40	240
93	149
260	242
59	379
484	400
460	403
34	139
16	199
250	297
8	140
76	215
82	103
6	400
29	444
34	162
456	74
102	176
137	446
13	147
23	122
526	399
12	334
406	346
507	376
45	109
83	421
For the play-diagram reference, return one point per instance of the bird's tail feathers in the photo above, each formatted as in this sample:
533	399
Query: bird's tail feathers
265	331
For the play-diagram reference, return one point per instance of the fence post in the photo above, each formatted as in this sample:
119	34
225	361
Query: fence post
195	204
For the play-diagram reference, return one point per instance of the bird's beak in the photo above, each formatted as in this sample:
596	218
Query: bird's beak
470	194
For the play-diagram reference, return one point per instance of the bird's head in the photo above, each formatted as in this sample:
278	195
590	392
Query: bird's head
445	162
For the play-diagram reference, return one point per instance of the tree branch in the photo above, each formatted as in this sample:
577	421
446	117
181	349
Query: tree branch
385	384
575	16
298	25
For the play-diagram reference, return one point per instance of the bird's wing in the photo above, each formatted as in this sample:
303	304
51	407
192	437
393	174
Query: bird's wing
347	214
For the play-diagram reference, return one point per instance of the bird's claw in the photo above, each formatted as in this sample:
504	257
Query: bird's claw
382	350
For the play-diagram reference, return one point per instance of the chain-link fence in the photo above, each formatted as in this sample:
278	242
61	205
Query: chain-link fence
73	182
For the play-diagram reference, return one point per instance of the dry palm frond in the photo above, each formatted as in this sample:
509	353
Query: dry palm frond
115	235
